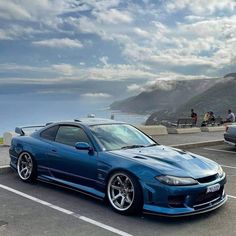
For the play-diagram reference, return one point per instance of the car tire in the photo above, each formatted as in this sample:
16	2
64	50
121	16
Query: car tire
26	167
124	193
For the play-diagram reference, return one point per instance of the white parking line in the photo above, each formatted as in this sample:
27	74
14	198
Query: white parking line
231	167
3	167
83	218
231	196
217	150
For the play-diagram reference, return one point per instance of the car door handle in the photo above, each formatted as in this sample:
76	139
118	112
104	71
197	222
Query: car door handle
54	150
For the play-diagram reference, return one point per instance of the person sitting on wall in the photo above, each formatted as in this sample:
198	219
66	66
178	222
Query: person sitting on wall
230	117
212	118
206	119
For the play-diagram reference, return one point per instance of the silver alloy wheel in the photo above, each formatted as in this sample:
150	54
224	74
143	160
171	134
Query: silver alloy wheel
25	166
120	191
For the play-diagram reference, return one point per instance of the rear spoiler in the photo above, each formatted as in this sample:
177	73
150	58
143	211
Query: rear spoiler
21	132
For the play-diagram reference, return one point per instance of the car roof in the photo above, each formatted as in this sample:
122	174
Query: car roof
89	121
97	121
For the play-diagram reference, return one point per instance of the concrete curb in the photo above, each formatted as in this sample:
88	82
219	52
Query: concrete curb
5	169
213	129
199	144
153	129
183	130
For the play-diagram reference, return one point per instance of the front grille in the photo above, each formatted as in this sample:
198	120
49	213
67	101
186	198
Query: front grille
208	179
204	199
176	201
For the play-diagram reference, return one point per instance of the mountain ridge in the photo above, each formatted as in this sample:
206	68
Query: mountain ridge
216	94
159	99
219	98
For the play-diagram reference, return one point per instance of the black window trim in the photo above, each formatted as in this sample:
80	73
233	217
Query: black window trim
48	129
74	125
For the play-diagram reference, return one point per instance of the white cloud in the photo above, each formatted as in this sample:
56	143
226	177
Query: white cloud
201	7
164	85
47	13
64	72
148	45
141	32
193	18
217	27
206	42
164	81
113	16
12	67
119	72
102	4
10	10
55	70
64	69
15	31
83	24
59	43
104	60
178	60
96	95
4	35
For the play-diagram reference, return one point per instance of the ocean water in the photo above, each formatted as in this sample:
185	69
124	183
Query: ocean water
32	110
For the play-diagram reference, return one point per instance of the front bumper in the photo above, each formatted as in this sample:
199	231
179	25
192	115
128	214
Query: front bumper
175	201
230	139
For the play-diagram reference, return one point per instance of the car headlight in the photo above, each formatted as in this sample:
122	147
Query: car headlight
177	181
220	171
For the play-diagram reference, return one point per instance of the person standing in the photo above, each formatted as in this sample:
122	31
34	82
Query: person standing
194	117
112	116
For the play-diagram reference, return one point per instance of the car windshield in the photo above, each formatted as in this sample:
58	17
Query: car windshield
120	136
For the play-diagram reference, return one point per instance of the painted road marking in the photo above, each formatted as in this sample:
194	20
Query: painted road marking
231	196
232	167
218	150
68	212
3	167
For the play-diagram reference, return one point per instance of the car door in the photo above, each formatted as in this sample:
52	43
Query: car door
70	164
47	137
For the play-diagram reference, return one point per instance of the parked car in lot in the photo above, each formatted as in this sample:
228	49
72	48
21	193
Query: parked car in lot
115	161
230	134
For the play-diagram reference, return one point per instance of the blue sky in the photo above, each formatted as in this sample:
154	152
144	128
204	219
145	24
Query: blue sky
73	46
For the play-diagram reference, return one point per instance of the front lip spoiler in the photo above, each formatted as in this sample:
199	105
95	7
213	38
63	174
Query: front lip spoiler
196	212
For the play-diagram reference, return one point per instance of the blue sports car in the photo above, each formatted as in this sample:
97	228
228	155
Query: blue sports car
116	161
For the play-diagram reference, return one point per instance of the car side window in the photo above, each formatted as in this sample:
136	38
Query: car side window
70	135
50	133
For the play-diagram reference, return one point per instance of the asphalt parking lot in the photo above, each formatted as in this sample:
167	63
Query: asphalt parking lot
43	209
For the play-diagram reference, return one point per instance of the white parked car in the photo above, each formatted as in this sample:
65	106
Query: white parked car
230	134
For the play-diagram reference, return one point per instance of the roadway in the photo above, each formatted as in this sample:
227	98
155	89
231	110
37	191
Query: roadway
42	209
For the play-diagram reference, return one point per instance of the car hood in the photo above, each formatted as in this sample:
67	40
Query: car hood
171	161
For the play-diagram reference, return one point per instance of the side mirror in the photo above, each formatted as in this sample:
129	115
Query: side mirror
83	146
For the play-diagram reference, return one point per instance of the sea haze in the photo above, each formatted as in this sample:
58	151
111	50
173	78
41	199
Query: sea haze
31	109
